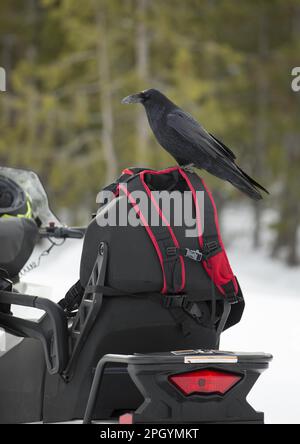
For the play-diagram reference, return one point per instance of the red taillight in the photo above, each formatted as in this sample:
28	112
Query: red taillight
127	418
205	382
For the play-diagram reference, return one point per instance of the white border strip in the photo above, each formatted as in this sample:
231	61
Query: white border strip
205	359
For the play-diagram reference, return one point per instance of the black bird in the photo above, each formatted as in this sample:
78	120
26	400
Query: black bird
190	144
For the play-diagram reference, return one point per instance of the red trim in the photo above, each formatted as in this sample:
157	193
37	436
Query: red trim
198	214
215	212
207	265
149	231
217	267
117	191
219	235
166	171
162	216
128	171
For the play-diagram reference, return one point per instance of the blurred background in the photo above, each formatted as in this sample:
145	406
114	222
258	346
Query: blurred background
227	62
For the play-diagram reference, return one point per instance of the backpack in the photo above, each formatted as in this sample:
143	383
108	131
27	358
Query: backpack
161	259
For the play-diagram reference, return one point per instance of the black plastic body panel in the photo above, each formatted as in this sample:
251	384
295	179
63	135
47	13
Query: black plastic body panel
125	325
22	377
18	237
165	404
168	405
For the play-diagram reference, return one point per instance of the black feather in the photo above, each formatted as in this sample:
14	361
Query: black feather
189	143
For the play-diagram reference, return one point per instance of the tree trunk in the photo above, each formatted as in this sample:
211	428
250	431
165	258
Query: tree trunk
289	218
142	67
261	123
292	253
289	214
32	113
106	99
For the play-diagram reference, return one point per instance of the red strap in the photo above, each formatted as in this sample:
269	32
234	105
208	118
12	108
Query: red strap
196	203
225	257
217	267
149	231
164	219
128	171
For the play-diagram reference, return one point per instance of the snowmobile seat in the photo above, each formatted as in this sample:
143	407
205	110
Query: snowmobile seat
122	310
120	324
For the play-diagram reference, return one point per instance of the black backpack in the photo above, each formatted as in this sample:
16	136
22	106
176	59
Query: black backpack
182	271
144	294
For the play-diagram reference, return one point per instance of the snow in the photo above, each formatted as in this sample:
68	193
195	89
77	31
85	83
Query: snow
271	319
270	322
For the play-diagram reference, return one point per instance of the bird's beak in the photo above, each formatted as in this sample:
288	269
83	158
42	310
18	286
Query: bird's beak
134	98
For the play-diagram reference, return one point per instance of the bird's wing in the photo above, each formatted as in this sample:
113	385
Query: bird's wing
223	157
194	133
225	148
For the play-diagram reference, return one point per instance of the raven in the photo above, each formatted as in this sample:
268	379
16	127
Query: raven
190	144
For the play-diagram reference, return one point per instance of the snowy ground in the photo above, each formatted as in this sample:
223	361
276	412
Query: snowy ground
271	322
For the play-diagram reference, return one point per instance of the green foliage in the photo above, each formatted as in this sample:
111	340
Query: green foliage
228	62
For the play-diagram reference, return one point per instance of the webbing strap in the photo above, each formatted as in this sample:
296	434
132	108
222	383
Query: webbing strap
126	175
162	236
107	291
210	235
164	239
174	265
73	298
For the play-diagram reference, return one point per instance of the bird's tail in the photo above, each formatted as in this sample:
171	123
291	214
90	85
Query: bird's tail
247	185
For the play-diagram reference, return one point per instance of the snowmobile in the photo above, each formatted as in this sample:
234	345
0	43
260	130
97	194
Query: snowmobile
136	339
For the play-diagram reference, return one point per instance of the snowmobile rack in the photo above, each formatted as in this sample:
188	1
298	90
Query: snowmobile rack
88	311
188	386
50	330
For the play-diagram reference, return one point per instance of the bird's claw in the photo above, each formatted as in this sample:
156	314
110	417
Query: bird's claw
188	168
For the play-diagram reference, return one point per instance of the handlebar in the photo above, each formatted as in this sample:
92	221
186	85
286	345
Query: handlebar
62	232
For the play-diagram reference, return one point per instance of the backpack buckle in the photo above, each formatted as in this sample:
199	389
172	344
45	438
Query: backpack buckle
211	248
232	299
172	251
195	255
174	301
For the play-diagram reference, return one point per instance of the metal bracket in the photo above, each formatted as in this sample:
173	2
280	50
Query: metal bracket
88	311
